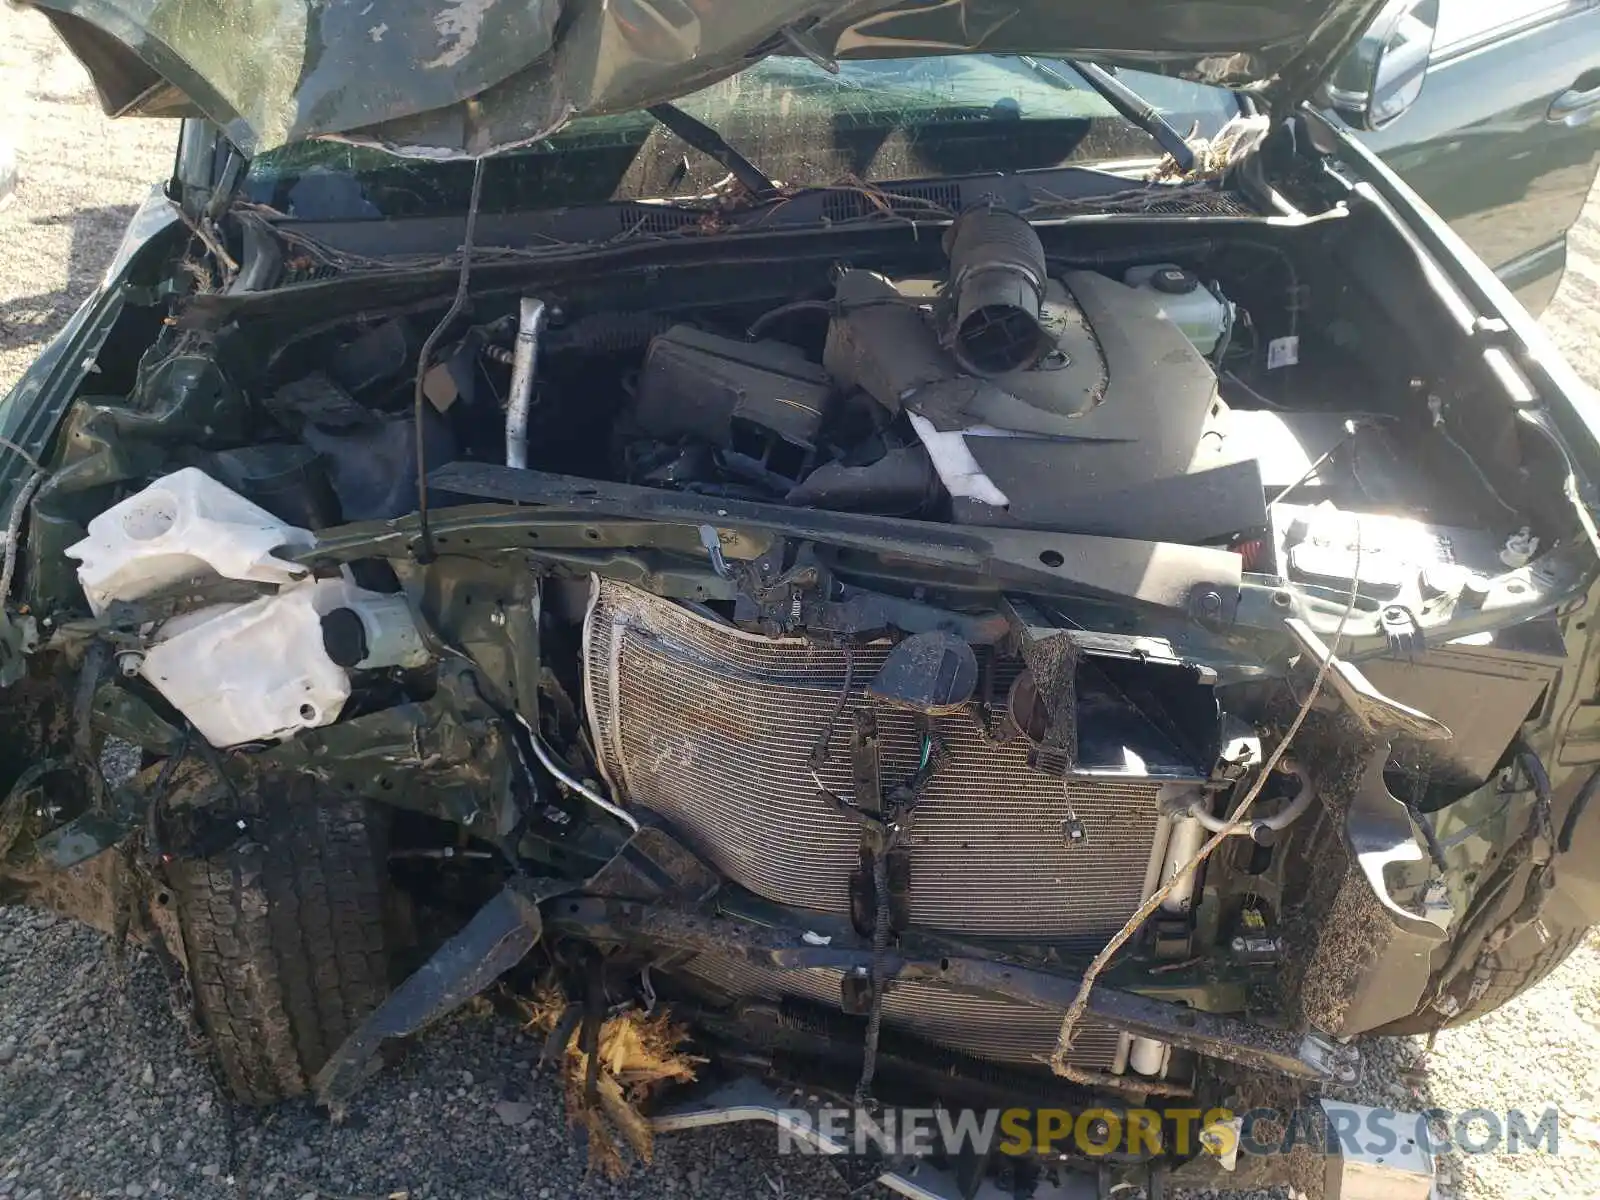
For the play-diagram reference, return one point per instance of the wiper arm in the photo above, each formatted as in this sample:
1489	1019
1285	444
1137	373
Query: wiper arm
1125	100
710	143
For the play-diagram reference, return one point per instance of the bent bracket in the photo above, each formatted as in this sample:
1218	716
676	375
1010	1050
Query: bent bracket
1379	832
497	938
1376	712
501	933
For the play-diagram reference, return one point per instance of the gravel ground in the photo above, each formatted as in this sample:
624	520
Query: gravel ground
103	1093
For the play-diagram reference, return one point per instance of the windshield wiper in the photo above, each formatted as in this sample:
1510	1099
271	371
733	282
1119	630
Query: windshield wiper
1122	98
710	143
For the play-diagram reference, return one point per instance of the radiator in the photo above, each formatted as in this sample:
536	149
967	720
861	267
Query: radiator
713	727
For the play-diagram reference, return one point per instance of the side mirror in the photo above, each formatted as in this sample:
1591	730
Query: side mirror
1383	75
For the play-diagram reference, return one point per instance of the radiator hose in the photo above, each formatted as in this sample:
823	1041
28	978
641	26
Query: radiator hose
1260	829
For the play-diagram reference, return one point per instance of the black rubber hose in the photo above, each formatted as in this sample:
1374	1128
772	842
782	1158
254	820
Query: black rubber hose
997	282
1575	813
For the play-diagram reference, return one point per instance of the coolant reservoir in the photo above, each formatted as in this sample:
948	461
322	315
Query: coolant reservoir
182	525
1202	315
264	670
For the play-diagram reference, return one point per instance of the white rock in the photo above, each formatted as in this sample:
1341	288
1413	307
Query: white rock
513	1112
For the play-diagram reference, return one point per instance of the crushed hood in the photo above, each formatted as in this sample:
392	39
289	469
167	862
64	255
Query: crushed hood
453	78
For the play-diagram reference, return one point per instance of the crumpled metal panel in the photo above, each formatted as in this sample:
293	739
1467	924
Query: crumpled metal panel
713	728
453	78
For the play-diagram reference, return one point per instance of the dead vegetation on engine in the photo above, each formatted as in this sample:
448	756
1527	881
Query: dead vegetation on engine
639	1054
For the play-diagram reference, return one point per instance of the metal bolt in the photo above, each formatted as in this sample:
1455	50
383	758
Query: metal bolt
1211	603
1239	944
129	663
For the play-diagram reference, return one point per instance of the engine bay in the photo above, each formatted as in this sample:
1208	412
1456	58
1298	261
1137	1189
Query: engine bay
1236	428
1169	399
1073	401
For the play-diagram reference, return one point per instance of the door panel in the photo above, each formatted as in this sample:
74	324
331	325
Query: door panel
1504	140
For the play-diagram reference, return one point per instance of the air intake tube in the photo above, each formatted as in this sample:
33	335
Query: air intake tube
997	282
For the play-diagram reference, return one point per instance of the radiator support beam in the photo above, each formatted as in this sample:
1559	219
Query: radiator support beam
779	948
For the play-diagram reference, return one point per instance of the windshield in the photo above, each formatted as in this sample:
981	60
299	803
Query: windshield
900	119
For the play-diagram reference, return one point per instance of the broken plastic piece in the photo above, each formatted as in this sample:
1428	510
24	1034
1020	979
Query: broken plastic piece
1376	712
958	469
495	940
181	525
1283	352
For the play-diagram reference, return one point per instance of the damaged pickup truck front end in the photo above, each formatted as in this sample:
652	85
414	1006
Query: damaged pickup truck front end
1048	637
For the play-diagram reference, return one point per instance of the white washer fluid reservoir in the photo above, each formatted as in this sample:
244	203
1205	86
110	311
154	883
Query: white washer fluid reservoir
262	671
182	525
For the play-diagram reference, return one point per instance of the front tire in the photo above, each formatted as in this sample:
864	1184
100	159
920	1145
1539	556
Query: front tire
284	934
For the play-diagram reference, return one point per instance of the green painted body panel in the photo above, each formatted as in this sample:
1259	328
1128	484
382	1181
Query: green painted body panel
1482	148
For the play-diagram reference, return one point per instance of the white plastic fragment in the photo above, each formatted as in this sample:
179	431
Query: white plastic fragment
182	525
958	470
1283	352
